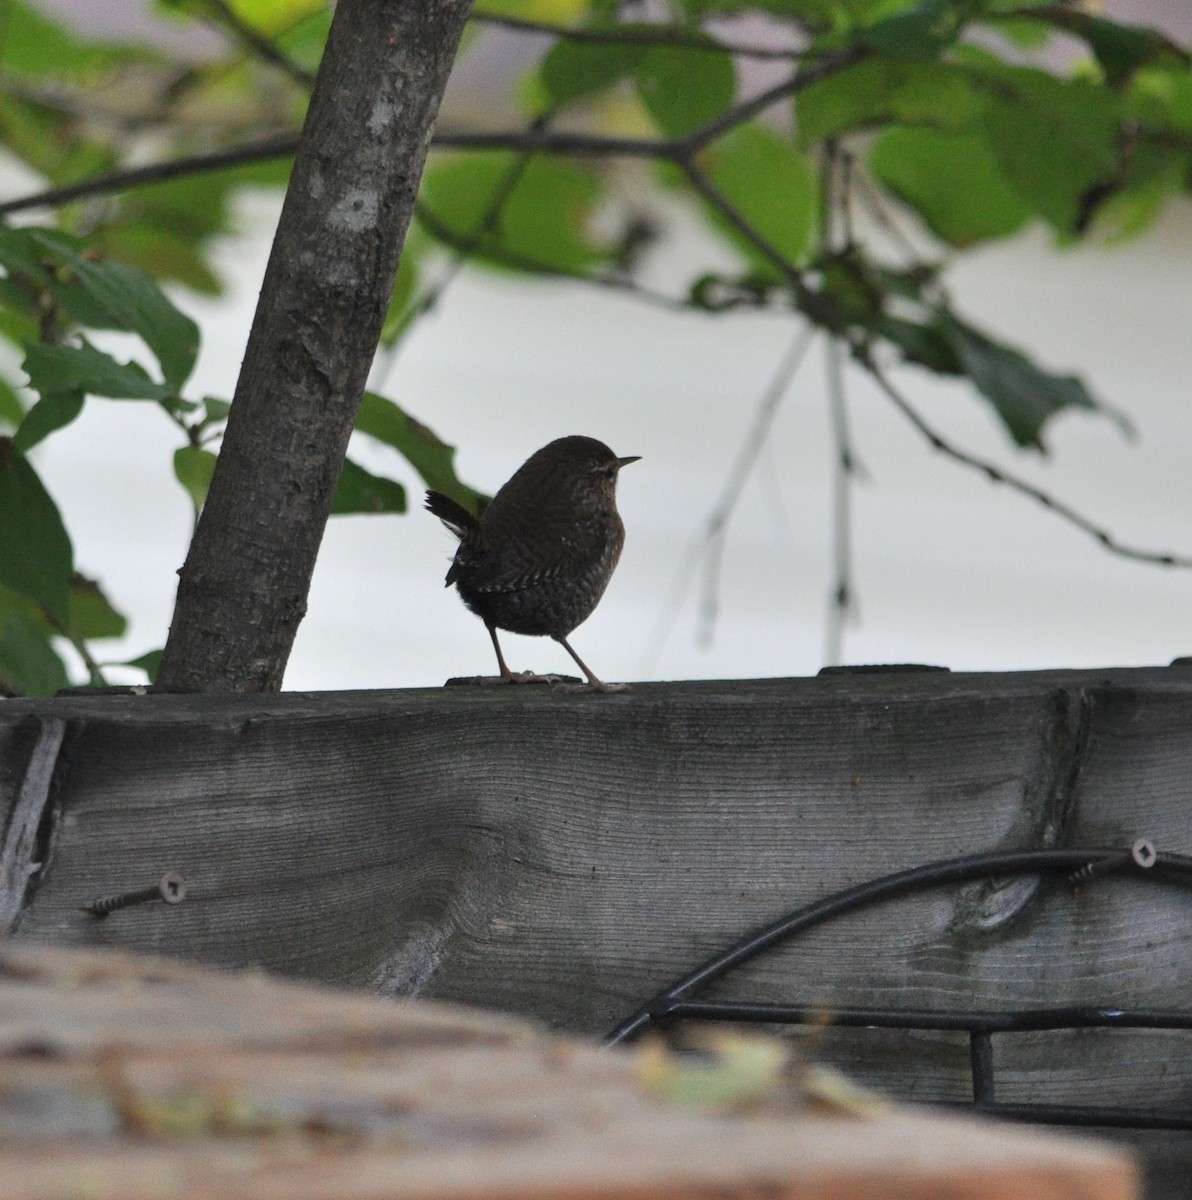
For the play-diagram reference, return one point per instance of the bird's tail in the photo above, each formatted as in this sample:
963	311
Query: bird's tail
451	513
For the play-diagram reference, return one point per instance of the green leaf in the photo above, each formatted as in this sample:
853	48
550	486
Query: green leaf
148	662
953	180
405	304
432	458
130	300
924	343
573	70
20	253
683	90
53	370
49	141
193	468
771	184
303	42
36	558
163	228
36	46
359	491
1152	177
29	665
538	211
215	410
887	91
1123	49
1024	396
163	253
12	411
924	31
50	413
92	616
1052	139
1120	49
1162	99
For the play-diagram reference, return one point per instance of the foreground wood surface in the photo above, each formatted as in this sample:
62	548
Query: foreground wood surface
143	1080
565	856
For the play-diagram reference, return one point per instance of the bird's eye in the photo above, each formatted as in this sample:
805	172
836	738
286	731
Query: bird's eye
609	472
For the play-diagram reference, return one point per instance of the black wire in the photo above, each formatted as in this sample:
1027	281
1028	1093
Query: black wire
900	883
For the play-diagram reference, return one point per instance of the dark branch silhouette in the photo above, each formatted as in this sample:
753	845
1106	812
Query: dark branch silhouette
662	35
282	146
225	18
860	353
531	140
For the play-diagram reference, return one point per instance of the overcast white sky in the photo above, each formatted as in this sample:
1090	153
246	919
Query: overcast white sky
949	569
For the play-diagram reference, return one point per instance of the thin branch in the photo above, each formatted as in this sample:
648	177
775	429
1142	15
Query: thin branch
716	530
701	546
527	140
577	144
838	236
804	78
490	219
94	670
842	602
676	148
813	305
997	474
283	146
817	307
662	35
254	40
607	281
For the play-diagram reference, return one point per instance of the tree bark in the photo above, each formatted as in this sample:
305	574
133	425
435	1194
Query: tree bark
326	289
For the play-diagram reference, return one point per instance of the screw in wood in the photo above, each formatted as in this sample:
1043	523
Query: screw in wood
1142	853
171	888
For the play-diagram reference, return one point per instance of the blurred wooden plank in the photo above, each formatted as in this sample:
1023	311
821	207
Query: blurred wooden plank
141	1080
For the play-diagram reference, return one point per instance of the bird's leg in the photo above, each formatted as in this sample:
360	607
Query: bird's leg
594	684
506	675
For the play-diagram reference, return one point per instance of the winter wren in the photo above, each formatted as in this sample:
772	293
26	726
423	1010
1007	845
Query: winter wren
539	557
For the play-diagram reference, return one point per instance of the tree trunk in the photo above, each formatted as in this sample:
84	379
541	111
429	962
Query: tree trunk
244	585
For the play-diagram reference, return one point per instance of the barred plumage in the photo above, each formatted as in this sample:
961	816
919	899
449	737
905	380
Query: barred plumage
539	557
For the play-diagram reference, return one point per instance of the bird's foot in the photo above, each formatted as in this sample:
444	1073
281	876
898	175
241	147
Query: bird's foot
595	685
511	677
532	677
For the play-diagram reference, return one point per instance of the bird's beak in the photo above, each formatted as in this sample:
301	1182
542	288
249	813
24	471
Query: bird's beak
624	462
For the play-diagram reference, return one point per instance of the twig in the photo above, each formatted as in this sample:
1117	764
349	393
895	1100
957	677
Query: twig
490	219
997	474
283	146
879	212
860	353
608	281
717	526
529	140
254	40
841	604
838	235
662	35
703	545
803	78
93	668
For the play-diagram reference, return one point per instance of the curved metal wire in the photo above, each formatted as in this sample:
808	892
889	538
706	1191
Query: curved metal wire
1141	861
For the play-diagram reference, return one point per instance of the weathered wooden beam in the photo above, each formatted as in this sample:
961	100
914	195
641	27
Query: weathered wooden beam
146	1080
565	856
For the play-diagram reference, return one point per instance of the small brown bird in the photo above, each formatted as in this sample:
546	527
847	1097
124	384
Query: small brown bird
539	557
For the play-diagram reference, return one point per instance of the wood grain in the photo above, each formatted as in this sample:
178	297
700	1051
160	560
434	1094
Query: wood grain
565	856
123	1077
